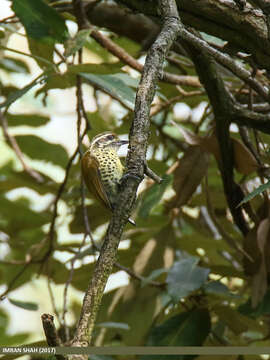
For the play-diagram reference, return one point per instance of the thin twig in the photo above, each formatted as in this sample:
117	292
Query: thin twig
53	300
150	173
139	277
13	143
166	104
55	205
80	113
225	60
121	54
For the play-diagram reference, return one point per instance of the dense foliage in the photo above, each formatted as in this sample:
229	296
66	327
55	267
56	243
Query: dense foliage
198	258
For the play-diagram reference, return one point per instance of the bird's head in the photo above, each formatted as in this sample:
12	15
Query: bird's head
107	140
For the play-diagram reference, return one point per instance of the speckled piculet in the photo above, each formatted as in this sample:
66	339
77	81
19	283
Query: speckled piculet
102	169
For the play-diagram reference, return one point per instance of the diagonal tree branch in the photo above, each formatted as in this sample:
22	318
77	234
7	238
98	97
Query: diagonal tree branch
135	169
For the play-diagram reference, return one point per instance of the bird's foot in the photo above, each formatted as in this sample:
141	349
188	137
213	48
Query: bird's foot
133	176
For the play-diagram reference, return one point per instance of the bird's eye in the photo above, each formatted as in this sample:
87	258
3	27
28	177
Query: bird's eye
110	137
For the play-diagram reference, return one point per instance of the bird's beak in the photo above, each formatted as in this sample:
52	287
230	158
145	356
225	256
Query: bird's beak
122	142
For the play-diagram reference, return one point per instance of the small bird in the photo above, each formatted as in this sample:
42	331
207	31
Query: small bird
102	169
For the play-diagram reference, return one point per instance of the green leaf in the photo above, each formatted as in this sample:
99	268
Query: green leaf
24	305
263	308
42	52
217	288
254	193
74	44
40	20
184	277
17	94
68	79
153	195
28	120
27	218
39	149
11	179
114	87
14	65
190	328
13	340
237	322
114	325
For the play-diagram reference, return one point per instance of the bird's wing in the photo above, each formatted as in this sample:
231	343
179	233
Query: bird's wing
92	178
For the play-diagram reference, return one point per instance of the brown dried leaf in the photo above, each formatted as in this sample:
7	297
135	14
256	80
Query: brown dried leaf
259	281
251	247
244	161
188	175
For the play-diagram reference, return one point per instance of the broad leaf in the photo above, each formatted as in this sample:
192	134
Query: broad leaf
190	328
217	288
184	277
42	52
37	148
237	322
18	94
28	218
188	175
40	20
28	119
114	87
263	308
24	305
14	65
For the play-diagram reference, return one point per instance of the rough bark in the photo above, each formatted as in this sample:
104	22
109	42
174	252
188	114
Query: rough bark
135	170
